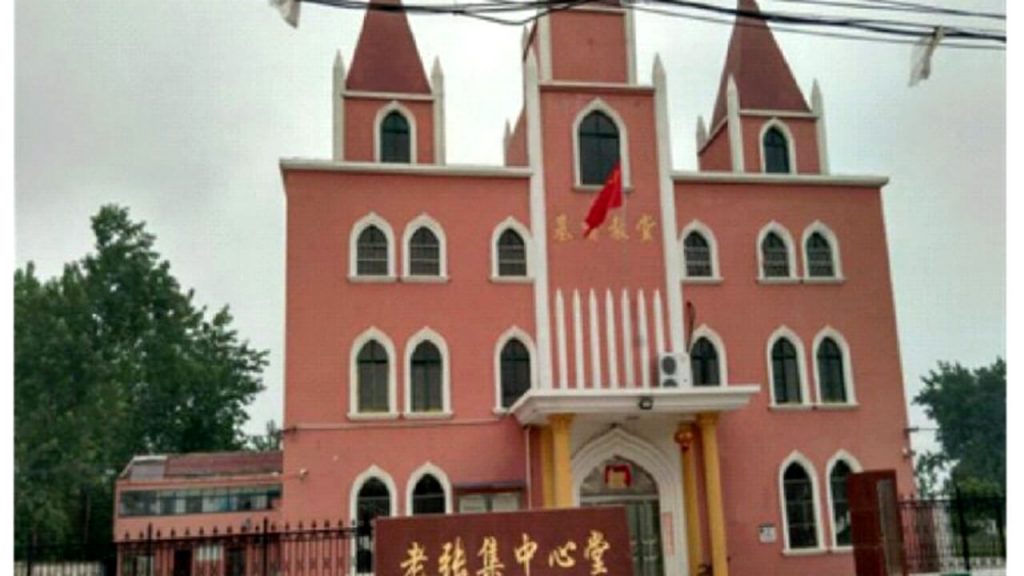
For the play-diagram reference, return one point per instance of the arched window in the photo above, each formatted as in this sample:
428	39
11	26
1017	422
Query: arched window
395	142
511	254
424	253
698	255
372	252
428	496
801	519
704	363
598	147
374	500
840	503
819	256
774	256
831	373
426	373
515	372
372	372
785	372
776	151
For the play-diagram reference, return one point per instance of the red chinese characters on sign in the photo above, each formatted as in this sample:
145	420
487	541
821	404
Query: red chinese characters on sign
569	542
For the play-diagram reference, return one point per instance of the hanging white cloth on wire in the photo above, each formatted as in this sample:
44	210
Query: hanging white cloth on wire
921	58
289	10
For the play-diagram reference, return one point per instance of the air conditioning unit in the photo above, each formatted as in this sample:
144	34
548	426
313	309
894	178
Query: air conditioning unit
673	370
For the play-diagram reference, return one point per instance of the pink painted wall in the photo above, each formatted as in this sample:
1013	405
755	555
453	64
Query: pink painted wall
360	126
716	156
588	45
805	143
515	155
756	440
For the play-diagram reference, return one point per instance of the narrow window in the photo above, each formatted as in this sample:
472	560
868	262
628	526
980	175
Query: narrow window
428	496
819	256
373	500
373	377
774	256
372	252
511	254
515	372
698	255
426	378
599	148
776	152
831	376
840	503
704	363
394	138
424	253
800	518
785	372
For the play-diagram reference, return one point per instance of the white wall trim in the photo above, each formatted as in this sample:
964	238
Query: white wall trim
449	170
732	101
437	89
371	219
845	181
854	464
371	95
833	240
338	106
372	333
599	105
373	471
799	459
818	110
544	48
774	122
425	221
524	233
703	331
801	363
417	475
521	335
382	112
428	335
783	233
705	231
630	24
844	348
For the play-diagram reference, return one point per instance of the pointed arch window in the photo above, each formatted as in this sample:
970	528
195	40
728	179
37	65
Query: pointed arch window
395	142
831	372
801	519
426	372
515	371
428	496
774	256
775	146
704	363
511	254
372	252
373	387
697	252
840	503
820	260
374	500
424	253
598	147
785	372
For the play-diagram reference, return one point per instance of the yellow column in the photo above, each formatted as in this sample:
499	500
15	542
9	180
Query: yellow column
547	467
560	425
708	424
685	438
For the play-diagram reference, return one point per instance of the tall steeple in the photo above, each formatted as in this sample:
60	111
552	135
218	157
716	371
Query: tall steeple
386	58
762	76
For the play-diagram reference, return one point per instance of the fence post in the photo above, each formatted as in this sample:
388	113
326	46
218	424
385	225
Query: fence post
1000	505
151	559
266	522
962	521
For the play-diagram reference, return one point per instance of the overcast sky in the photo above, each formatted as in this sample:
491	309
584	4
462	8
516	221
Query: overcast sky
181	109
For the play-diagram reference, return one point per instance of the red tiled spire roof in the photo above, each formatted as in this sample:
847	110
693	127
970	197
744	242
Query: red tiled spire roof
386	58
756	63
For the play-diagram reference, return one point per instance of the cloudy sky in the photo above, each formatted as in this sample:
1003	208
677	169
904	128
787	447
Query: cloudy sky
181	109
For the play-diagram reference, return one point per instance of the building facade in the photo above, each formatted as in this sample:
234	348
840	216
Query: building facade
718	357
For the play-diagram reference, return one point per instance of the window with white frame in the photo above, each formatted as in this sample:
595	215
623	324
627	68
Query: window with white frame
426	369
598	147
698	256
372	501
775	147
515	371
774	256
373	373
831	372
837	478
820	260
428	496
511	253
424	253
372	252
704	363
799	507
395	138
786	384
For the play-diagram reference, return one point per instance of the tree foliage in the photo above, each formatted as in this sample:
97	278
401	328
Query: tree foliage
970	409
112	359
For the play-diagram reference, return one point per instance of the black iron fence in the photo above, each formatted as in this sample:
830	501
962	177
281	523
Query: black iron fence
960	533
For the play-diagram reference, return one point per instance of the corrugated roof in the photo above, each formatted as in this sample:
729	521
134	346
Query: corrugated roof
386	58
205	464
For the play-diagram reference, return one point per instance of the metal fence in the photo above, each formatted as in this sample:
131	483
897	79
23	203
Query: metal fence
960	533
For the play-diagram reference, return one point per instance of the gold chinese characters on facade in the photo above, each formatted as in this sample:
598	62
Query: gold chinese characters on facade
618	229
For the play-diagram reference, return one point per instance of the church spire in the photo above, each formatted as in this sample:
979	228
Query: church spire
386	58
754	60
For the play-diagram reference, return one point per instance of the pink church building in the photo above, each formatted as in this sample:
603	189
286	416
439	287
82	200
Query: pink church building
718	357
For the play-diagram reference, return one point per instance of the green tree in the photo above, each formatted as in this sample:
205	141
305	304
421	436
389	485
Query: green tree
970	409
113	359
268	441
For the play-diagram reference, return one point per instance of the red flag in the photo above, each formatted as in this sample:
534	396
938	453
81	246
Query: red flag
610	197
